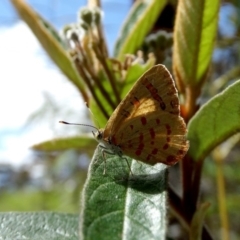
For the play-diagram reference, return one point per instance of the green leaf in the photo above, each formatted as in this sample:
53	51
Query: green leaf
194	37
197	222
215	122
137	25
118	205
78	142
37	226
51	42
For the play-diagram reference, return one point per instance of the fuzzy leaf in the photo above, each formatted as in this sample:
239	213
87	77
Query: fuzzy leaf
38	226
120	206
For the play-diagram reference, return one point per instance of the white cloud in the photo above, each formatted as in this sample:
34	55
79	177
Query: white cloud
26	72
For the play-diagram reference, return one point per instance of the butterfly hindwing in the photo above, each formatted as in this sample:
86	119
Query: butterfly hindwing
147	124
154	141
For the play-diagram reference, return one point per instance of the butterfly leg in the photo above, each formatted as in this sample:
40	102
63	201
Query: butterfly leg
128	165
103	151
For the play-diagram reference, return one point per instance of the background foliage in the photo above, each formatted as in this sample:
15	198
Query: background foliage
209	91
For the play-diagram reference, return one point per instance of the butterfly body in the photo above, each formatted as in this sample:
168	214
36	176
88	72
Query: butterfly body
107	145
147	125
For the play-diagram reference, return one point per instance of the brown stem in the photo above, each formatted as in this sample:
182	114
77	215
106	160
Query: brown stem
100	86
107	71
83	93
91	89
192	93
187	172
101	39
188	165
196	181
176	206
88	67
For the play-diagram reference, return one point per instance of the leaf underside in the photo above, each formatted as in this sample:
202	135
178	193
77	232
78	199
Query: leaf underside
194	37
215	122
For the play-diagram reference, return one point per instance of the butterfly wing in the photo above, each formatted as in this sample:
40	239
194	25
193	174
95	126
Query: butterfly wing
147	124
157	141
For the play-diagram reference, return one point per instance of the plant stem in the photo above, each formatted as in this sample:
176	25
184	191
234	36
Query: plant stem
91	89
88	66
196	182
187	173
100	86
221	194
192	93
109	74
176	206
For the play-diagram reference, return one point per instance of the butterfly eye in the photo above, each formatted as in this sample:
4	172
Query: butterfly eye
98	135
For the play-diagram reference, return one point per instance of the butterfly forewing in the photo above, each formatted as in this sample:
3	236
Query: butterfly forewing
156	82
146	125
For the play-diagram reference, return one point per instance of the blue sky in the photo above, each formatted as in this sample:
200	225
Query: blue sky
27	76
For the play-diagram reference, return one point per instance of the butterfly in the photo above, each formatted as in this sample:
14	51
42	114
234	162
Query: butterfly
147	125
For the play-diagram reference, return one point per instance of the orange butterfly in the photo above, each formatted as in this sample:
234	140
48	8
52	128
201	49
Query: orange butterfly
147	125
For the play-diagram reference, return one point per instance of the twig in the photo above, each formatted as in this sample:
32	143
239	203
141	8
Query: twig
91	89
100	86
109	74
88	67
176	205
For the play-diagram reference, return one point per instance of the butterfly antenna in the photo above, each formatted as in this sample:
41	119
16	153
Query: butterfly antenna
79	124
92	114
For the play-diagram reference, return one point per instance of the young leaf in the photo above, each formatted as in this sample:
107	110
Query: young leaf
137	25
215	122
118	205
194	35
